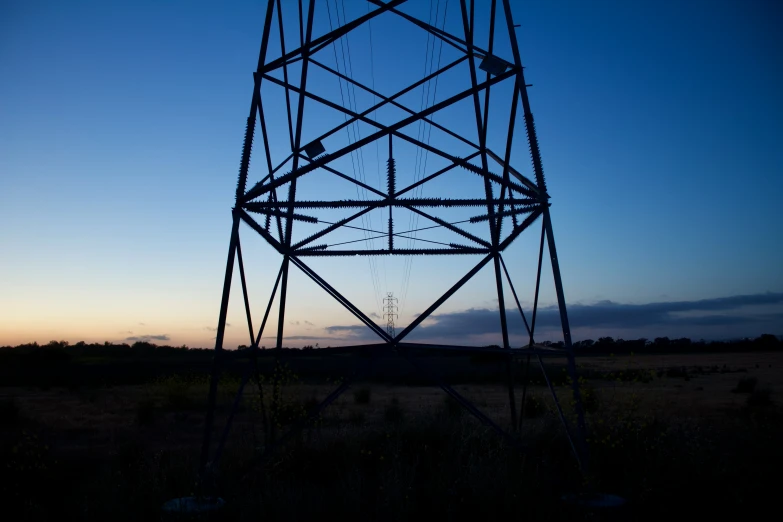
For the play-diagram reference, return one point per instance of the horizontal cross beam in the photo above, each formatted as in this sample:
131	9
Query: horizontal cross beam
322	41
399	202
394	252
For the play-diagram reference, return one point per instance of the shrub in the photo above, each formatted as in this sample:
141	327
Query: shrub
746	385
145	412
9	411
452	408
759	398
393	411
362	395
284	408
129	455
534	407
176	391
357	418
678	372
311	404
289	411
590	400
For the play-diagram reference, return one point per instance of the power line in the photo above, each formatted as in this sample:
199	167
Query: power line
375	117
414	221
351	88
409	259
354	160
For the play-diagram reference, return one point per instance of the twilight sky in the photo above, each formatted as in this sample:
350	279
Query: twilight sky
121	126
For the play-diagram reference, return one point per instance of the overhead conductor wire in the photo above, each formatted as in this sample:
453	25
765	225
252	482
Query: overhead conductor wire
360	153
375	117
421	164
357	159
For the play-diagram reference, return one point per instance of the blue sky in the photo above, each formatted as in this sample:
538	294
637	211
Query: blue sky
121	126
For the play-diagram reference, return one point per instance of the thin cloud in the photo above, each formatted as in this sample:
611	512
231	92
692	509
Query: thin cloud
350	330
214	329
148	338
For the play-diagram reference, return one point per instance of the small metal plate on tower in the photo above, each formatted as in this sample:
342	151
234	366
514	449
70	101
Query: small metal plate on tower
314	149
493	65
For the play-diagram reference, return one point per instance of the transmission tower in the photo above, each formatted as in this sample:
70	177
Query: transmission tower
390	312
286	205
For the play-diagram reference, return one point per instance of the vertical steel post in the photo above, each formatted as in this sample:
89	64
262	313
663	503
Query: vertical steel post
467	28
283	295
580	415
539	173
244	290
504	328
535	313
221	330
285	77
233	243
274	406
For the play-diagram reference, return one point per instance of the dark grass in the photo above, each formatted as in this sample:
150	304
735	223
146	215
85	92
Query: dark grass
393	412
442	466
759	398
9	411
746	385
381	460
362	395
145	412
534	407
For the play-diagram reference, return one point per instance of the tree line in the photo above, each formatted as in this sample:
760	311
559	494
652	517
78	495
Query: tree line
63	350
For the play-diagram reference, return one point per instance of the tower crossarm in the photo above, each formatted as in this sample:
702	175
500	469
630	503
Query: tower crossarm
260	189
397	202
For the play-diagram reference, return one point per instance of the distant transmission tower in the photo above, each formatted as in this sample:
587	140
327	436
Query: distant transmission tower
478	201
390	312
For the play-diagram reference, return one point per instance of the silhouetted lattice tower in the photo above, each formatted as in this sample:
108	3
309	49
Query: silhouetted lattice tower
390	312
482	58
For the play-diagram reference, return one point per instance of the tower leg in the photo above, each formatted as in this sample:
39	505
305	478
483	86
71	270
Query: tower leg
216	362
533	317
274	407
232	247
581	426
504	327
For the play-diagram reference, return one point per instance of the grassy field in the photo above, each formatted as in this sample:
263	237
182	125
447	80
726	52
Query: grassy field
679	436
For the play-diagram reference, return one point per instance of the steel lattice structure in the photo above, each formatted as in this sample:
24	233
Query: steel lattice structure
272	209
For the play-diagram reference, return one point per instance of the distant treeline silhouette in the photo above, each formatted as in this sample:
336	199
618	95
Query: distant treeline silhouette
604	345
61	364
63	350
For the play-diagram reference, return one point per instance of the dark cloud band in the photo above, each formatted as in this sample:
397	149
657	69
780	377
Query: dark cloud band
604	315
